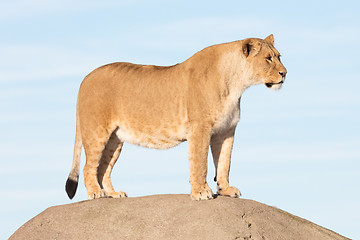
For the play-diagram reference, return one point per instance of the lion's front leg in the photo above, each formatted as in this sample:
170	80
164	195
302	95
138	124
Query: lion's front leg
198	143
221	148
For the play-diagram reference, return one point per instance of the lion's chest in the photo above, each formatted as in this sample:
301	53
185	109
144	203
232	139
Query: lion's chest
227	118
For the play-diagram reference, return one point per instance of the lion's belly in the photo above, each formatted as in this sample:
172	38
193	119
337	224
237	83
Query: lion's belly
159	139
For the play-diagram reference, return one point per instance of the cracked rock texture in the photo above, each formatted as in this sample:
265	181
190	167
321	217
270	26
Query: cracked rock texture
169	217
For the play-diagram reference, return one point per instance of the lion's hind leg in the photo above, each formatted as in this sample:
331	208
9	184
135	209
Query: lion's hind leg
94	147
109	157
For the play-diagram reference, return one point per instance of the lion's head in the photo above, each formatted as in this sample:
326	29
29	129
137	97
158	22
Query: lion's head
264	59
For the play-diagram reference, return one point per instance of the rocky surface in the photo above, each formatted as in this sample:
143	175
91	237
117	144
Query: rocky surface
169	217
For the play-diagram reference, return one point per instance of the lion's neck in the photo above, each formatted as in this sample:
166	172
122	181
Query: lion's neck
236	74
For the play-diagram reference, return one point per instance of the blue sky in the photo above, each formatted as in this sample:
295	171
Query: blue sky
296	149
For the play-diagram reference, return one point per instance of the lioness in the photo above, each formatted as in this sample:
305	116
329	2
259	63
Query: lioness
159	107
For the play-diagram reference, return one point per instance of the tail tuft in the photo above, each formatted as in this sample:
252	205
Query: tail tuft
73	179
71	186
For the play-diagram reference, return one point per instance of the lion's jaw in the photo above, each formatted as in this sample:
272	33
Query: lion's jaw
275	86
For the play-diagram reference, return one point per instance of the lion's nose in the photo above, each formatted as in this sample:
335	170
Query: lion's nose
283	74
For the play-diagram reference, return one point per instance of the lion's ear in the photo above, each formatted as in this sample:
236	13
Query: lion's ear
270	39
250	47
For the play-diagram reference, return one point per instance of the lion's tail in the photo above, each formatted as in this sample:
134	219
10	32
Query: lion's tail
72	181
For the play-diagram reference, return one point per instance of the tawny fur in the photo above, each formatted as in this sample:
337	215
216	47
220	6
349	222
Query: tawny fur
159	107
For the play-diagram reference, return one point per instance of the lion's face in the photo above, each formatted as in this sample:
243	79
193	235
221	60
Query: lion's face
265	61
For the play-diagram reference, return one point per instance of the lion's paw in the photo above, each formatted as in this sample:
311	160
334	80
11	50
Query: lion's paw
118	194
204	193
101	193
229	192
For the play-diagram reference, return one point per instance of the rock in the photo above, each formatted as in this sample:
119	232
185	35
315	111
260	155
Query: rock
169	217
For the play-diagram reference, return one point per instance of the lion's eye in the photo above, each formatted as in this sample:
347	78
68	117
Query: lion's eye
269	59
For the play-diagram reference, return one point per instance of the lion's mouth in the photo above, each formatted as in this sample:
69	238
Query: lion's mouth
269	85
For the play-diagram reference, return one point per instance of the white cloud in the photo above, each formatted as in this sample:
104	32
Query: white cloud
29	195
304	152
20	9
194	33
36	62
25	158
316	41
